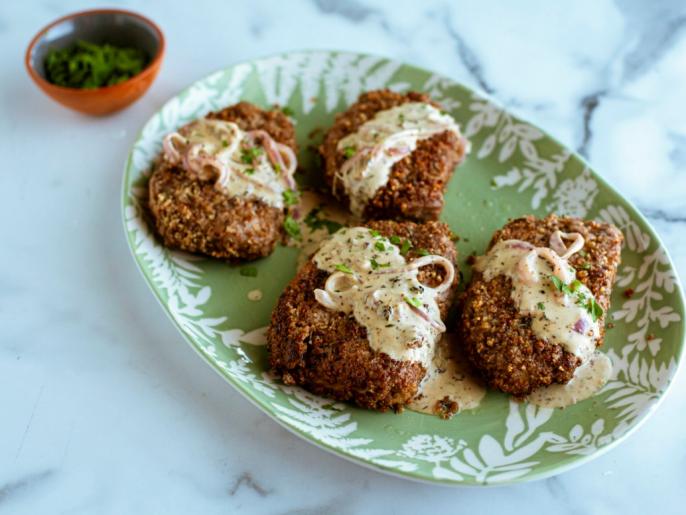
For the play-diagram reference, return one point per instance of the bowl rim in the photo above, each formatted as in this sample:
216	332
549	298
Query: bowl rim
148	70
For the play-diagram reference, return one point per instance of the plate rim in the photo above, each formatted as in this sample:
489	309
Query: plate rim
417	477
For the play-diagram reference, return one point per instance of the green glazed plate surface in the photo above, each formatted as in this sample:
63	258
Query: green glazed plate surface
514	169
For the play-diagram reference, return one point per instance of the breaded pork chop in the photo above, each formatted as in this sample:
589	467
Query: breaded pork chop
191	214
417	182
327	351
498	338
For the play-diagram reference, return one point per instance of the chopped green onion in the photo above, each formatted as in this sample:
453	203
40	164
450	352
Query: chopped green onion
313	221
248	271
405	247
375	233
380	246
395	240
287	111
594	309
423	252
413	301
348	152
540	306
342	268
375	264
292	227
88	65
290	197
248	155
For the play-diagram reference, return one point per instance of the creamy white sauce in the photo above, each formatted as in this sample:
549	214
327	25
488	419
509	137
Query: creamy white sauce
588	379
560	317
248	164
554	315
371	280
255	295
448	378
383	141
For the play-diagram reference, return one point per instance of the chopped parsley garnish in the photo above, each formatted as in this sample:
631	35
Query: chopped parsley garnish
587	302
413	301
376	265
422	252
348	152
290	197
401	118
380	246
248	155
287	111
585	266
342	268
405	247
313	221
250	171
248	271
375	233
277	168
540	306
582	253
225	143
594	309
494	184
559	285
85	65
292	227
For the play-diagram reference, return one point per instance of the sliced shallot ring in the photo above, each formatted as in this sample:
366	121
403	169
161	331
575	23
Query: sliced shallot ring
436	324
525	266
558	245
426	261
324	298
170	151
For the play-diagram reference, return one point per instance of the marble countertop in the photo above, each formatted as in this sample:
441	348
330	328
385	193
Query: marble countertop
105	409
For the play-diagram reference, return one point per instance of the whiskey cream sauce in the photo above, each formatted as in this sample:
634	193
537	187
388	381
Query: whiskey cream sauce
242	163
588	379
561	317
371	280
383	141
447	378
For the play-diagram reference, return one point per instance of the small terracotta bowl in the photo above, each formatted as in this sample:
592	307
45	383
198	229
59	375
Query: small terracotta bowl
118	27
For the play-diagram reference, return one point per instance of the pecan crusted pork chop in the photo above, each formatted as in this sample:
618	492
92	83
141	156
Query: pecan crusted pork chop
328	352
192	212
416	183
498	338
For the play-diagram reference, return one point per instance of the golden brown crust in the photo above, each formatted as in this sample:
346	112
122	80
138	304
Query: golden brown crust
192	215
327	351
417	183
498	339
